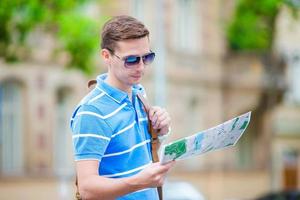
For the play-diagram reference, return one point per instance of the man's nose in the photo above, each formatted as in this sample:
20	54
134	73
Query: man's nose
141	64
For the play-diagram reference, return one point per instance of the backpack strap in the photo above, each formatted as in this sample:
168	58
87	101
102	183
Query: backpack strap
77	195
154	137
91	83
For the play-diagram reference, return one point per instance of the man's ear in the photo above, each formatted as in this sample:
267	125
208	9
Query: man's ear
106	56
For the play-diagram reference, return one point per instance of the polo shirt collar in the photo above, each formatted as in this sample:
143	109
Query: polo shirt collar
115	93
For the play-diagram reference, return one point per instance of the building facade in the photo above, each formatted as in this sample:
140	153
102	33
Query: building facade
36	102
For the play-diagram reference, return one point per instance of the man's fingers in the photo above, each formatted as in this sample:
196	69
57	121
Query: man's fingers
166	167
152	111
163	168
160	112
164	120
159	116
170	164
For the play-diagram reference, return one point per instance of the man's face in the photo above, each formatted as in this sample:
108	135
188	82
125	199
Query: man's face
126	76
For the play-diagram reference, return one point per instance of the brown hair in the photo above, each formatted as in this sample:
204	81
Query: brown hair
121	28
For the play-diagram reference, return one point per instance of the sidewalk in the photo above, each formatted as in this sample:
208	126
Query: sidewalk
32	189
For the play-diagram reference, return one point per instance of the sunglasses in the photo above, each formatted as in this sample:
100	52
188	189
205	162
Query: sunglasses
132	60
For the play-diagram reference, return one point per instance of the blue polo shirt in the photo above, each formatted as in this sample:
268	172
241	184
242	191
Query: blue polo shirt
110	128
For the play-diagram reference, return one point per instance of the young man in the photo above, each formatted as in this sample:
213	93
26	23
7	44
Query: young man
110	135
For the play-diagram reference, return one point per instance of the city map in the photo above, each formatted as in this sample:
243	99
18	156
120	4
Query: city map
218	137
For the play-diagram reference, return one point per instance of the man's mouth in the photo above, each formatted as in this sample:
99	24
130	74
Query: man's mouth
137	76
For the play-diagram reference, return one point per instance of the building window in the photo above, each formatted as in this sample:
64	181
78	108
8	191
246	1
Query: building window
63	156
290	172
186	26
293	71
11	129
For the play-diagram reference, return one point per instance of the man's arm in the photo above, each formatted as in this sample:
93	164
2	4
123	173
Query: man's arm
92	186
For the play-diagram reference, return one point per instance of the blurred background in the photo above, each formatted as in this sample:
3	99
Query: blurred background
216	59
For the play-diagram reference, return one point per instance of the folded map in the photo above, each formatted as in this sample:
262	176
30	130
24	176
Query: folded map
218	137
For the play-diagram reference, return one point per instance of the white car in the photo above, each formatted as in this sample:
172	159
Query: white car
180	190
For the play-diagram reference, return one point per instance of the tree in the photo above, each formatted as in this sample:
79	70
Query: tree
252	29
253	25
76	32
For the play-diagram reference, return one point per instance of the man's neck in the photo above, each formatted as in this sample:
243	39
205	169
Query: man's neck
116	84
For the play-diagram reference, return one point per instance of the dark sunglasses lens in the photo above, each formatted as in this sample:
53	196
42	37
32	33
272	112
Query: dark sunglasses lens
147	59
132	60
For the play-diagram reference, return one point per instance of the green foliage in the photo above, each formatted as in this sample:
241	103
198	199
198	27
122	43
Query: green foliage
16	19
252	27
77	33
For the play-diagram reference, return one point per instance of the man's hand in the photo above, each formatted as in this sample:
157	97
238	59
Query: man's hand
153	175
160	119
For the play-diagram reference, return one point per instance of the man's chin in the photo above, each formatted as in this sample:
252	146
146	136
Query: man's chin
136	82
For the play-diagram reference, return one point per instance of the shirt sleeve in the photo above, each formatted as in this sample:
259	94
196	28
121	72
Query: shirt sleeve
91	133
